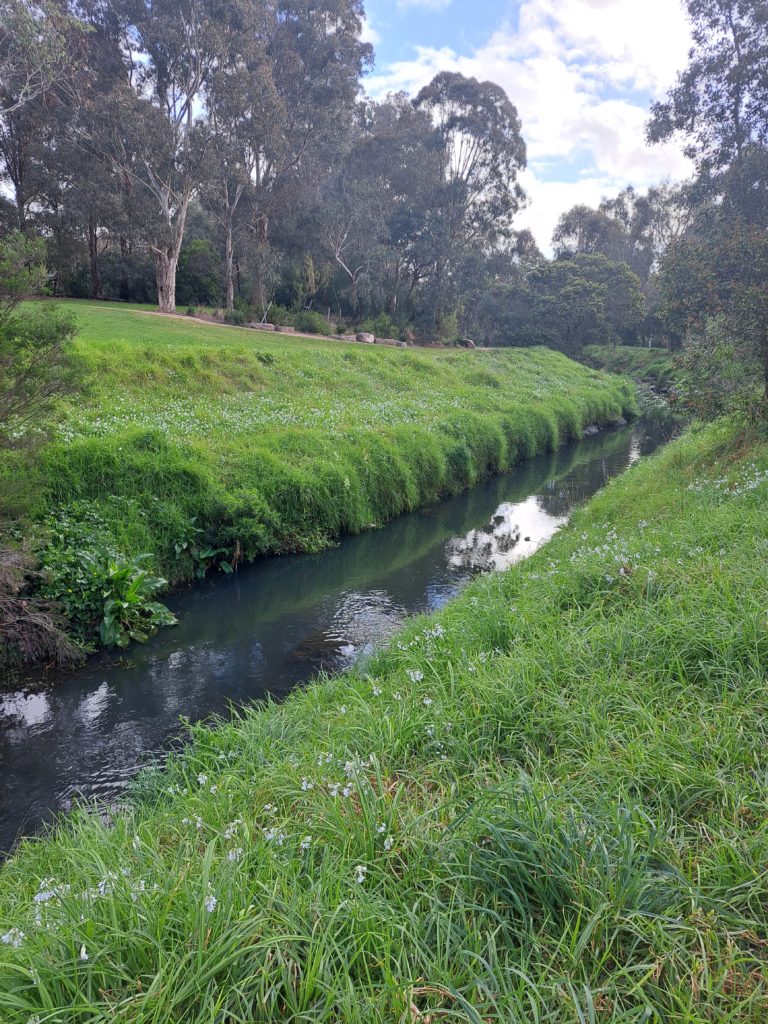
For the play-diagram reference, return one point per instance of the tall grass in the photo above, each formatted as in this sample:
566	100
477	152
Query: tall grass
650	365
546	804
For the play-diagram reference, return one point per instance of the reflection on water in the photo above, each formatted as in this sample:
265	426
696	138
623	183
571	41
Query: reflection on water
276	624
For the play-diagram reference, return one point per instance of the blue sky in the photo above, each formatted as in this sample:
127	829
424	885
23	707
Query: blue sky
582	74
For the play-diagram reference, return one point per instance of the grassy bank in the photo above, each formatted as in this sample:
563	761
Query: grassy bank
201	444
649	365
546	804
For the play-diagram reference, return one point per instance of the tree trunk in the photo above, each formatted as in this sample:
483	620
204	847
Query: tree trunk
230	267
167	259
94	289
165	273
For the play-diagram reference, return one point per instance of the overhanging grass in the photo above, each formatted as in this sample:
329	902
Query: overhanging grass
272	443
546	804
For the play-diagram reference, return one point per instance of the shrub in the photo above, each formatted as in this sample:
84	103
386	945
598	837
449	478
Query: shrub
280	316
101	592
382	326
310	322
236	317
190	311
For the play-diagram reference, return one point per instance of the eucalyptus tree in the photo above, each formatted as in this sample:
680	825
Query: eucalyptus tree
478	143
39	47
719	102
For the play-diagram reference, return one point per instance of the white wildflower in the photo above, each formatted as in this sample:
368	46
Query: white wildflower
306	842
415	676
360	872
14	938
389	842
83	952
210	903
235	853
202	779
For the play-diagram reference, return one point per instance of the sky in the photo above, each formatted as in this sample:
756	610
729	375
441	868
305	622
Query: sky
582	74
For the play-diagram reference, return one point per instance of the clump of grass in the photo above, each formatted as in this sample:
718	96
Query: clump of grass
546	804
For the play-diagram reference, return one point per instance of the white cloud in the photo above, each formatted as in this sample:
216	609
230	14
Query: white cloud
369	33
574	68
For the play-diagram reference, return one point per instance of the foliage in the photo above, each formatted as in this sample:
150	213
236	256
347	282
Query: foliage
654	366
308	321
198	281
381	326
717	374
720	98
563	303
129	612
36	368
236	317
547	803
100	591
191	543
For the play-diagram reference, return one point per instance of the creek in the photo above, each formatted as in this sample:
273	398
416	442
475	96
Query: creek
275	624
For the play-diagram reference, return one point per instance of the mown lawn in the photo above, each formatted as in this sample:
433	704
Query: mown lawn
548	803
271	443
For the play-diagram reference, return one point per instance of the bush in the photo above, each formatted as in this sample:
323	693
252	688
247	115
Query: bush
190	311
719	376
101	592
280	316
236	317
310	322
382	326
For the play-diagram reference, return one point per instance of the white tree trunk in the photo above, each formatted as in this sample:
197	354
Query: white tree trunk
167	260
230	268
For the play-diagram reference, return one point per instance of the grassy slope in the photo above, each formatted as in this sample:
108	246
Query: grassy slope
654	366
277	443
557	794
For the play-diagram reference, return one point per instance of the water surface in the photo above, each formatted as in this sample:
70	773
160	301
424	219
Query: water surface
273	625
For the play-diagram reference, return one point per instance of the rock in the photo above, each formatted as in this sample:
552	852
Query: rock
347	337
468	343
392	342
366	339
284	330
620	422
402	344
591	431
262	327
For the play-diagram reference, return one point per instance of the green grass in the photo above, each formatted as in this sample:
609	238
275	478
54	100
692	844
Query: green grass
557	807
650	365
275	444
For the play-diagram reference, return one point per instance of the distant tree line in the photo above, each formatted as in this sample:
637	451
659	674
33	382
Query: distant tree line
203	153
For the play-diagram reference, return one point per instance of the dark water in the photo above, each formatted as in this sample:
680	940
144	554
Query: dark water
275	624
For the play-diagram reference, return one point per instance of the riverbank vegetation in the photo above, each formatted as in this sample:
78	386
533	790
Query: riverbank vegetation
545	803
652	366
203	446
